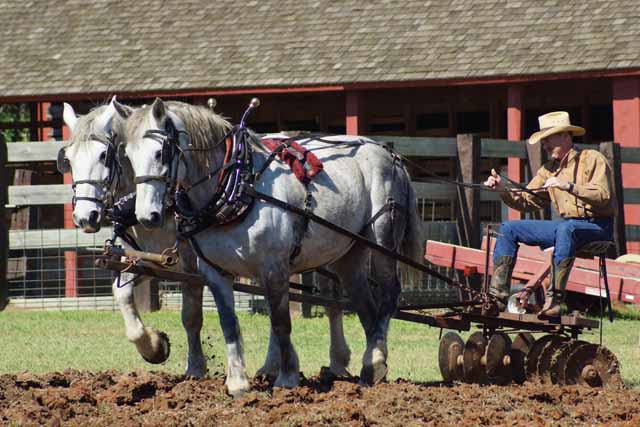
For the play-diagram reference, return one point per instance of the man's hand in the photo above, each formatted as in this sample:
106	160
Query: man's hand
494	181
555	182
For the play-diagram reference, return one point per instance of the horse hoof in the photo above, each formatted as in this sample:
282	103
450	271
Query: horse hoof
373	374
269	374
238	388
159	347
287	381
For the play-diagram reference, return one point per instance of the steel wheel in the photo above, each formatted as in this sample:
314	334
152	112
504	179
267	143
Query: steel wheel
531	361
450	357
559	360
472	356
594	366
519	350
544	360
498	358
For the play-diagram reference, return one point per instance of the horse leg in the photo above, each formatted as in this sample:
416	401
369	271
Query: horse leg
353	273
276	285
192	322
152	345
339	352
222	289
271	365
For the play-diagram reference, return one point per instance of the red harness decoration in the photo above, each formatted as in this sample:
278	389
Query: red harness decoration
304	164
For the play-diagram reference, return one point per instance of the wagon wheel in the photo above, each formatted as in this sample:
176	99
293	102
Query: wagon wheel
559	360
450	357
472	356
544	360
498	358
593	365
531	361
519	350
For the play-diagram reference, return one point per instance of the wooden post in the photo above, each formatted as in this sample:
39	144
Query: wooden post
469	151
626	132
70	257
355	119
535	159
612	152
514	133
4	232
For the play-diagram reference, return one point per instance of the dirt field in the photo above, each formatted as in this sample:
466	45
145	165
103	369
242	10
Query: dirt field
143	398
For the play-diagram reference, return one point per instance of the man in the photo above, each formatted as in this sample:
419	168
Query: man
578	185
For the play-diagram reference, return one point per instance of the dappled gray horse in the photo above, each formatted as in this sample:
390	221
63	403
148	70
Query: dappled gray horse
91	160
269	243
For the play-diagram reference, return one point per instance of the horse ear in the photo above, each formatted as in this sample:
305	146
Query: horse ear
62	162
69	117
103	121
158	109
123	111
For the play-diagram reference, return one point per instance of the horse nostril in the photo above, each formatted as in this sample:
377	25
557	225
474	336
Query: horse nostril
93	217
155	218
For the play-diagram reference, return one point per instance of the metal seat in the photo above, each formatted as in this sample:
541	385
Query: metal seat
599	249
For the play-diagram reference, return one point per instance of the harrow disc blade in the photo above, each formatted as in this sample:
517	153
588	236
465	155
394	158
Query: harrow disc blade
559	360
531	361
544	360
519	350
498	358
472	355
593	365
451	347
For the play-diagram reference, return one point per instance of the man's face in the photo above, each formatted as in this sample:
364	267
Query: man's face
557	145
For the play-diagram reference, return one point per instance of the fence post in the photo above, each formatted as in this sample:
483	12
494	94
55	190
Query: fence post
469	152
4	232
535	159
611	151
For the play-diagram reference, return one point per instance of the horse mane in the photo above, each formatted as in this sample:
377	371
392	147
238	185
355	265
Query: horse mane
80	136
204	127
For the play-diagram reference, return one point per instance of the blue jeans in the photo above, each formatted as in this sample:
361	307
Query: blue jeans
566	235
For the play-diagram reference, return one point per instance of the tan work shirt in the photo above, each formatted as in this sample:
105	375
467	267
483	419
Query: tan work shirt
590	197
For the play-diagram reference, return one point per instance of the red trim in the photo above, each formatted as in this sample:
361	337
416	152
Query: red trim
496	80
355	121
70	257
514	133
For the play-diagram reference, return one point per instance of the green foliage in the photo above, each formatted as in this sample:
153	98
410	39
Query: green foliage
14	113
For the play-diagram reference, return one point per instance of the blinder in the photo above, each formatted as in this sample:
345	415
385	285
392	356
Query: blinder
62	163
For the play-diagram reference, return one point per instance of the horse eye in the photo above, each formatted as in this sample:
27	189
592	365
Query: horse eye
158	156
103	156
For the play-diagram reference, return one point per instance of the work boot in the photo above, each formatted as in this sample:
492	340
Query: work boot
555	295
501	280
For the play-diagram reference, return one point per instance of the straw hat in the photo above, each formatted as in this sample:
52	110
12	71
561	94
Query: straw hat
552	123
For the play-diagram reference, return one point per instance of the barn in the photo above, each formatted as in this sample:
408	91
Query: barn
417	69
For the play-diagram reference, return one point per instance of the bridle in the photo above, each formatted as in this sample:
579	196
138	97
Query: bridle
110	163
169	140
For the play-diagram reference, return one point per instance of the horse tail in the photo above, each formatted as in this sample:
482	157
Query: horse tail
412	245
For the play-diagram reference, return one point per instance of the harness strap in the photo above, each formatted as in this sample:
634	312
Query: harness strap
363	240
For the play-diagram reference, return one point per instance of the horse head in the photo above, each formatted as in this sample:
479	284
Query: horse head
167	145
91	159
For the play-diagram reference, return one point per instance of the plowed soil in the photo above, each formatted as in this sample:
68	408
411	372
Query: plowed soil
155	398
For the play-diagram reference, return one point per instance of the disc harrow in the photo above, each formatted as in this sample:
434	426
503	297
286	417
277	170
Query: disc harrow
492	356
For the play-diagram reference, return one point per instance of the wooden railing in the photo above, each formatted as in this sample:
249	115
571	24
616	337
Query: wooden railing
467	149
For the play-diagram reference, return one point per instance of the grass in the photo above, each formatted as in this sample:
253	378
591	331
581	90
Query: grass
53	341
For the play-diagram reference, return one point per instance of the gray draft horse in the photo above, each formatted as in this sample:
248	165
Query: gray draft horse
91	160
357	182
